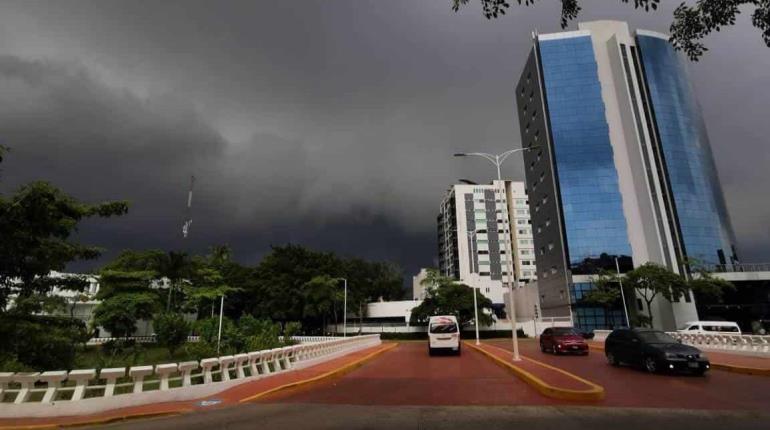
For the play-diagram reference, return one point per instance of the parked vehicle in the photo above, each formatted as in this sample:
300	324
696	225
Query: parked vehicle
563	340
653	350
706	327
443	334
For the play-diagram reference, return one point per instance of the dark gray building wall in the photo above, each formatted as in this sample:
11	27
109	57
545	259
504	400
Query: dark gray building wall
545	211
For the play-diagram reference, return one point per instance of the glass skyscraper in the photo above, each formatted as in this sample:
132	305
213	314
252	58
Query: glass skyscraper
621	172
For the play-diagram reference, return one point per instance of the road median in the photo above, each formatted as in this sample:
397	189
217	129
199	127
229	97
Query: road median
548	380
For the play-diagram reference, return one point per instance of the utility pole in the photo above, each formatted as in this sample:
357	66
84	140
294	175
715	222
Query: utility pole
497	160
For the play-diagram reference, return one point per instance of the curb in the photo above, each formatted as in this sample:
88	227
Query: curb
755	371
336	372
594	394
100	421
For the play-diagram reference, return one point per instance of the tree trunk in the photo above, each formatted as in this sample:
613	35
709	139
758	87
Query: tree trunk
649	311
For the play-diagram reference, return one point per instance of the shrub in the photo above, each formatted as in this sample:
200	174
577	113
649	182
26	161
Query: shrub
290	330
171	330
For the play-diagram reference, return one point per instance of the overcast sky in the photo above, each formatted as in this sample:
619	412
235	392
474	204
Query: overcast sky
325	123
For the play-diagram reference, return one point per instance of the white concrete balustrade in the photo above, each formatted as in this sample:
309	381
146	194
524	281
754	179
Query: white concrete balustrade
89	390
747	343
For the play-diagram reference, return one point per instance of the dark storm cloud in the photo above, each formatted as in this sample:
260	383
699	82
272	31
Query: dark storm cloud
325	123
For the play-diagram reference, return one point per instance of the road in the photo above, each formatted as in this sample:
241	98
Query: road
408	376
404	388
625	386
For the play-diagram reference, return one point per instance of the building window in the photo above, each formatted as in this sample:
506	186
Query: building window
550	246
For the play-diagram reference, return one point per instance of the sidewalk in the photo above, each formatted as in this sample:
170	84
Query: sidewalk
232	396
548	380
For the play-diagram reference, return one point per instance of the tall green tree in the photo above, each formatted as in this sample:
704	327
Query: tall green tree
651	280
692	23
36	226
320	296
453	299
129	291
709	288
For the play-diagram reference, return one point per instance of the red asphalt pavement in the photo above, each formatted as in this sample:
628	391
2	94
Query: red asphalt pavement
406	375
630	387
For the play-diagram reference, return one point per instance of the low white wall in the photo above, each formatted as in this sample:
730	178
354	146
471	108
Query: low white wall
300	356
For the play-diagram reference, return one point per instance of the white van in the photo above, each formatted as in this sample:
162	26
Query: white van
706	327
443	334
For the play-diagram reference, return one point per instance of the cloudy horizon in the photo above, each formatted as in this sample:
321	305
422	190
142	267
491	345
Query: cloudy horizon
330	125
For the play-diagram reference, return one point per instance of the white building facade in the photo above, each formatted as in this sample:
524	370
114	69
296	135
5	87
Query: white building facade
485	237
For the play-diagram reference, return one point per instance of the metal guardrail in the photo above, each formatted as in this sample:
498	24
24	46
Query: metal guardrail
726	342
83	384
749	267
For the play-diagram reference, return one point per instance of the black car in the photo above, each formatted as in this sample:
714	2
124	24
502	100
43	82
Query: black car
653	350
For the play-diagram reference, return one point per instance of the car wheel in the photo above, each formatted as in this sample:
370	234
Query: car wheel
430	351
650	365
611	359
542	347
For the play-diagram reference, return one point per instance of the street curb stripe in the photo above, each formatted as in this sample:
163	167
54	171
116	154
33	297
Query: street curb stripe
755	371
98	421
593	394
336	372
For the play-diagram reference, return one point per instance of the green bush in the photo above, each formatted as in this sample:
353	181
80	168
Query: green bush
41	342
291	329
171	330
201	349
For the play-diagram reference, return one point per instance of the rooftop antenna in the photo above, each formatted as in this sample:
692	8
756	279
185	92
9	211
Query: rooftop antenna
188	222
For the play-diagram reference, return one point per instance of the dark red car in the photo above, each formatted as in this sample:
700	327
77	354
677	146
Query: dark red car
563	340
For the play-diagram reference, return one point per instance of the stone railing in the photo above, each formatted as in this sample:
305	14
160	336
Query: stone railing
137	339
727	342
83	391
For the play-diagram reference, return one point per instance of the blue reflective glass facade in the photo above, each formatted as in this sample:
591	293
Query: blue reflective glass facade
699	204
589	317
591	203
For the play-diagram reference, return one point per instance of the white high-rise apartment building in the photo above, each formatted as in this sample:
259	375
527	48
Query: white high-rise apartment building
479	226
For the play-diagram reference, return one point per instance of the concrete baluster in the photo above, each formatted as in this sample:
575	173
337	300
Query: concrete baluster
240	363
111	375
164	371
224	366
287	355
254	363
138	373
206	365
276	359
264	359
27	381
186	368
5	378
53	380
81	378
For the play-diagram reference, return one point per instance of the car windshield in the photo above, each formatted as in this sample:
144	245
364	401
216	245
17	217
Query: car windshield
564	331
443	328
656	337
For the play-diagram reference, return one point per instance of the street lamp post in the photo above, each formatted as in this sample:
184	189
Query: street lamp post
471	239
622	294
498	160
221	314
345	310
